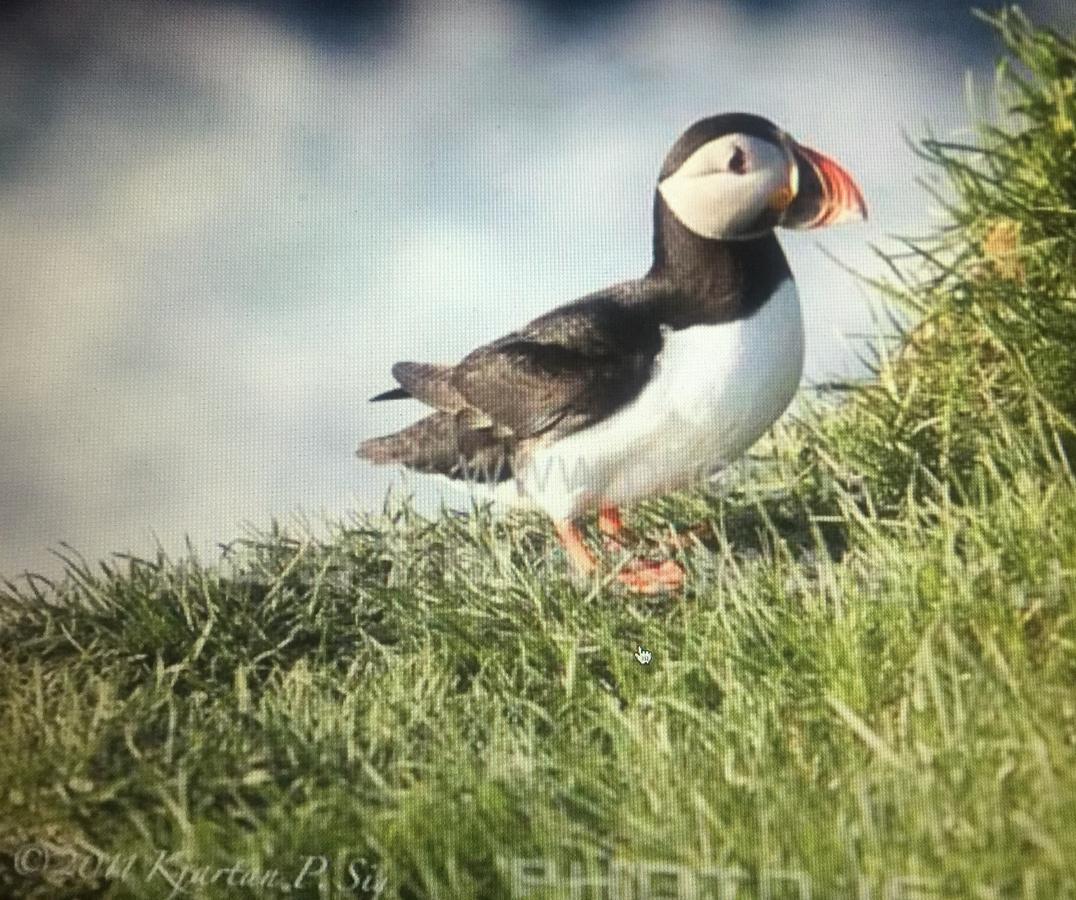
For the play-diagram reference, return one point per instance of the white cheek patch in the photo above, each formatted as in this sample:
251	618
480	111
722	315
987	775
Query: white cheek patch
716	203
707	204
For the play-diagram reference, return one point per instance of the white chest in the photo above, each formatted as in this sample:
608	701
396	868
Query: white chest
714	391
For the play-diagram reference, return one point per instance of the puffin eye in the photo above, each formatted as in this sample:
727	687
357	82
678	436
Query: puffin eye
738	162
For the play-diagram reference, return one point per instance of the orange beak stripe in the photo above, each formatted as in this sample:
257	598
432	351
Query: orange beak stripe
841	196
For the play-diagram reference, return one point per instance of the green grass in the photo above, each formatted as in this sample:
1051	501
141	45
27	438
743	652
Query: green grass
869	684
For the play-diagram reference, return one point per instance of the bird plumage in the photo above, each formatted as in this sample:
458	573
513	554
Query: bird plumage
646	384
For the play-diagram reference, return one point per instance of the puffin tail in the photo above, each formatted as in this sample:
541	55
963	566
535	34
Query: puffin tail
429	383
391	394
436	445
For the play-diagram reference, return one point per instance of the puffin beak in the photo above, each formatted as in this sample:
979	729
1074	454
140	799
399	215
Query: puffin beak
827	194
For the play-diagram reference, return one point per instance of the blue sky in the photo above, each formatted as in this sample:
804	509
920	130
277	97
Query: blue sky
221	223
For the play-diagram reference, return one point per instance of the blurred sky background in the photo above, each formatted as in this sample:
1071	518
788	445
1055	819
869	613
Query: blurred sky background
221	223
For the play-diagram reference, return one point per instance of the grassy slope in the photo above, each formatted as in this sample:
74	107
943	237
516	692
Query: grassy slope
871	677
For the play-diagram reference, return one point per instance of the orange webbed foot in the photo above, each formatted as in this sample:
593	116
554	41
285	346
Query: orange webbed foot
651	576
643	576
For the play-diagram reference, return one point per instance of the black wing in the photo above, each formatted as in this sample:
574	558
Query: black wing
568	369
563	371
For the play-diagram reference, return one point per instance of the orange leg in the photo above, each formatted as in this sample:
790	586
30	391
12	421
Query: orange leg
609	520
612	527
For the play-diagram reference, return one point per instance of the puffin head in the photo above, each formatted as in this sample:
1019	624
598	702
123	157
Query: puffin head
737	176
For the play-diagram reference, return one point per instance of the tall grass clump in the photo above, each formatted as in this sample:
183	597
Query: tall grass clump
985	380
868	688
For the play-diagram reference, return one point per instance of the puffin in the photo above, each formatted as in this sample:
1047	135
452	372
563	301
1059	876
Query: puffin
652	384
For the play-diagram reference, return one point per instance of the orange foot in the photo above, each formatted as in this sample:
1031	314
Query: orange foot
641	575
651	576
